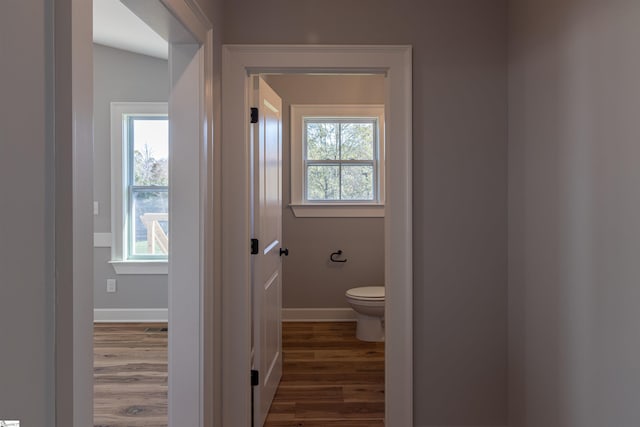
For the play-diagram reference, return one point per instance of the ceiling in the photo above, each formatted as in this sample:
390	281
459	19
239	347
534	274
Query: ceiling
116	26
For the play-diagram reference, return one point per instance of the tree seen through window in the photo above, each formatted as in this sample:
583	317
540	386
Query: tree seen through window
340	159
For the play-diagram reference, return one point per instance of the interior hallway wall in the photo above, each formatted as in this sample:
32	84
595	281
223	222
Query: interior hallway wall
121	76
459	180
574	213
309	279
26	218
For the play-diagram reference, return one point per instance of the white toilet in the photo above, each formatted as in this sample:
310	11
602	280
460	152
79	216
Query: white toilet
368	303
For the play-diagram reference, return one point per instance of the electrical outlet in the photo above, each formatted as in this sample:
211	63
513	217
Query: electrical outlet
96	208
111	285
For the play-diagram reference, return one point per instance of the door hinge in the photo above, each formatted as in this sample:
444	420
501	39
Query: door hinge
254	246
255	381
254	115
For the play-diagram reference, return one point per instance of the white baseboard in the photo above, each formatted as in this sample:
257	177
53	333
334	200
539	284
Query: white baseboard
115	315
121	315
318	315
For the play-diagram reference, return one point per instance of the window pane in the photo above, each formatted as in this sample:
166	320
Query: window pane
150	222
357	141
322	141
357	182
150	151
323	182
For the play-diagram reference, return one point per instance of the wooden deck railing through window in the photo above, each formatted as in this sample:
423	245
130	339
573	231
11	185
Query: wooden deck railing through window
157	239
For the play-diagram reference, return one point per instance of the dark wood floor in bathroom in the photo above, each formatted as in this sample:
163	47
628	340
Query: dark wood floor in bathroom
330	378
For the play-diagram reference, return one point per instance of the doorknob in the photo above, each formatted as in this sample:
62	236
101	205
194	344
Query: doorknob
284	252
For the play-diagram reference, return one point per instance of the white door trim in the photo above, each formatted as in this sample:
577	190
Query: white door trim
237	62
191	306
70	87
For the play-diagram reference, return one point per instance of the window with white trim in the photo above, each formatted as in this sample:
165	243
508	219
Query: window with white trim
140	185
337	160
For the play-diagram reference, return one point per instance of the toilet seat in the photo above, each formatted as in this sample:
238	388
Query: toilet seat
366	293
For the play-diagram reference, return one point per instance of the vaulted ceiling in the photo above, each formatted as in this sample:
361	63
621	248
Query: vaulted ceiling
116	26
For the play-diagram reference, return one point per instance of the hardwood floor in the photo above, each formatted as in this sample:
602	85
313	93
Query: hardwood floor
330	378
130	375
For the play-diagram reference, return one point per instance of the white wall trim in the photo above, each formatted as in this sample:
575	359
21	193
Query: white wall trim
140	267
239	61
104	240
71	159
193	366
318	315
123	315
338	211
101	240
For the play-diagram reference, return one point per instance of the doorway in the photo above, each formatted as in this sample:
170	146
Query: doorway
395	63
191	287
333	231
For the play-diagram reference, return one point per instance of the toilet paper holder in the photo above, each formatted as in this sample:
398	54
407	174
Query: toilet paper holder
333	256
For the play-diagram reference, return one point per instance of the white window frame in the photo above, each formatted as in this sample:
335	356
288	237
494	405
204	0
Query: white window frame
305	208
119	113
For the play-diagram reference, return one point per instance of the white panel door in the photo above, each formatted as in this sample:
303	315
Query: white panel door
267	228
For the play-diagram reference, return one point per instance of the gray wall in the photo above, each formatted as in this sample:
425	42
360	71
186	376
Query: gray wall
26	227
459	178
309	279
574	213
121	76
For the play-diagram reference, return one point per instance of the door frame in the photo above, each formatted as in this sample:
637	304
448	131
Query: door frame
238	61
73	135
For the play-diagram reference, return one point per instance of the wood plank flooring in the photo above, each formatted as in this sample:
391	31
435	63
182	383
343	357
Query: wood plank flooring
330	378
130	375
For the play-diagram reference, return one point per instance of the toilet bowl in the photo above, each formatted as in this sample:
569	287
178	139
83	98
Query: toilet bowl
368	303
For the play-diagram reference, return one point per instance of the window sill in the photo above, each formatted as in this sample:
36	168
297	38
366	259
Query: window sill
333	210
140	267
